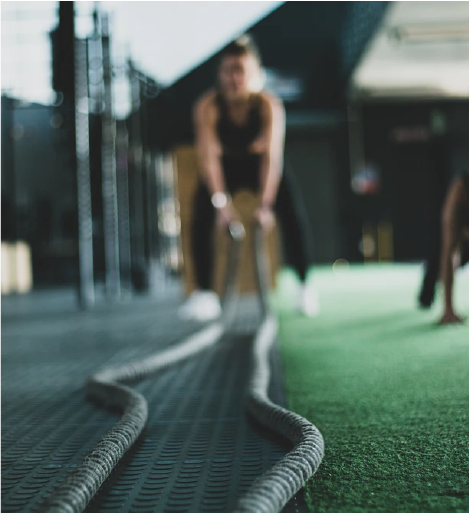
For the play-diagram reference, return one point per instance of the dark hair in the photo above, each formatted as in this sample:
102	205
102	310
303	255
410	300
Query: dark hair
244	45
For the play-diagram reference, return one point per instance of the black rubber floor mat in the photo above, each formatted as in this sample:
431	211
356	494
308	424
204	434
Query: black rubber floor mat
199	451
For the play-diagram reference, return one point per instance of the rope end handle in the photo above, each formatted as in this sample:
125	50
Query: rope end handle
237	230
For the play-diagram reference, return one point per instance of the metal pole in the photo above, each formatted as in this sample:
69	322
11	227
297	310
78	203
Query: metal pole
146	172
122	146
111	231
162	243
137	212
155	240
85	220
148	218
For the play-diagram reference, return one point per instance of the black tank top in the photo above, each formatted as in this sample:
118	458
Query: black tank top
236	139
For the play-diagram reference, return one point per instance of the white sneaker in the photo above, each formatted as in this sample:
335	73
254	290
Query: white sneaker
308	301
201	306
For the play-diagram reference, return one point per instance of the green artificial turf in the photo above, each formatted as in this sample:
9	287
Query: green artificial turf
387	388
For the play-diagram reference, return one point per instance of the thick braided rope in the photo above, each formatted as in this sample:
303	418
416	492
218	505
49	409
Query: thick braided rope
268	494
83	483
274	489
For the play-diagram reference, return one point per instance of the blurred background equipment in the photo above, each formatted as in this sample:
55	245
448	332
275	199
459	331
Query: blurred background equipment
92	119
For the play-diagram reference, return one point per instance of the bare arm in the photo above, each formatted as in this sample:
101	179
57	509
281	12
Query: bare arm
450	238
273	136
208	146
209	153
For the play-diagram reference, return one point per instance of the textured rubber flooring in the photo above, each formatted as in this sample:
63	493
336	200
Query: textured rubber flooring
199	451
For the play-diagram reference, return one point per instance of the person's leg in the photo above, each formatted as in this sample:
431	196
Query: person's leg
203	304
431	273
294	223
202	229
296	241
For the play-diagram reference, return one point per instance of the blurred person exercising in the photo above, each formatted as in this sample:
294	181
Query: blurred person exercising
454	249
240	132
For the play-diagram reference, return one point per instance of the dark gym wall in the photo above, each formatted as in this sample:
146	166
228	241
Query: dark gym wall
3	143
38	186
43	167
311	156
417	172
8	172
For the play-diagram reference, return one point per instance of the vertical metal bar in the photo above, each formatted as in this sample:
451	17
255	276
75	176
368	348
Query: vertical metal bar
122	147
148	219
154	211
146	182
110	217
163	251
82	143
137	213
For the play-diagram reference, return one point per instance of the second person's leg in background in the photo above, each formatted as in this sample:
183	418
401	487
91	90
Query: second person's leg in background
296	236
431	273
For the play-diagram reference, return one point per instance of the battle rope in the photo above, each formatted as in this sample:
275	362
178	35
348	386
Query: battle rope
272	490
276	487
82	484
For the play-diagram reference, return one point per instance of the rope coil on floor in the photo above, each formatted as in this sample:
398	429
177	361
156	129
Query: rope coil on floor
272	490
83	483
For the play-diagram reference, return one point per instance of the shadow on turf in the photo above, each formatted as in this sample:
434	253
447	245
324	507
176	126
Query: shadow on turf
392	324
390	319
